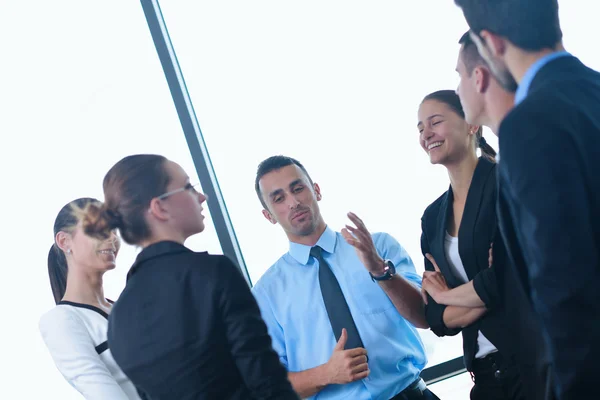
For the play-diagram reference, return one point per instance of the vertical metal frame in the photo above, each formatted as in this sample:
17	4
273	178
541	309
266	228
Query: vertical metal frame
206	173
193	134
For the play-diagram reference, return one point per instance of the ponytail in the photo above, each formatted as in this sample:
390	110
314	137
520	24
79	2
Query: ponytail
487	151
57	271
99	222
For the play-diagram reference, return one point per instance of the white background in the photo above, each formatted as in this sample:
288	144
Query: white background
335	84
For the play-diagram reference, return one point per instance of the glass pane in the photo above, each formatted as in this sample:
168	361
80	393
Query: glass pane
84	89
327	83
336	85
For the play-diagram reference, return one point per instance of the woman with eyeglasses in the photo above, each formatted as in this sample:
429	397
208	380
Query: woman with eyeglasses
186	325
75	330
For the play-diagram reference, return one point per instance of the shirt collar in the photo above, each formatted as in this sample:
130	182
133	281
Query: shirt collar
523	88
156	250
301	252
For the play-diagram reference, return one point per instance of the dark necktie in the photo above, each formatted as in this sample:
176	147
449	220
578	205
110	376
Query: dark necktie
335	302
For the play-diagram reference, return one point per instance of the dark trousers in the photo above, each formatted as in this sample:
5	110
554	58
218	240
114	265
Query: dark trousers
496	379
416	391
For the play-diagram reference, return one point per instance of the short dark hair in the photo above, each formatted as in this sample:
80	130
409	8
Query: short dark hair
272	164
129	186
66	221
531	25
469	54
451	99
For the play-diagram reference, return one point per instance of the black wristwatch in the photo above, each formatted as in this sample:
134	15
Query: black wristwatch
390	271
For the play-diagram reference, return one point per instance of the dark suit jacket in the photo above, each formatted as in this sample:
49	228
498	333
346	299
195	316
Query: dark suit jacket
549	209
475	236
187	327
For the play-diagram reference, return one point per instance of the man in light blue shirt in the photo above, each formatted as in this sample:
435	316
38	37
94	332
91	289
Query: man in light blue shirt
378	354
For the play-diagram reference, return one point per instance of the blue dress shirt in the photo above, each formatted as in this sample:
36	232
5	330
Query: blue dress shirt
523	88
292	306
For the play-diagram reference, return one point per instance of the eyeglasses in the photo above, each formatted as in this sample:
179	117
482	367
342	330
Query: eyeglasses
189	186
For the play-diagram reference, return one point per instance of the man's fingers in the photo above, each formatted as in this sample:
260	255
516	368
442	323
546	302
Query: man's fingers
357	221
358	361
360	368
361	375
357	352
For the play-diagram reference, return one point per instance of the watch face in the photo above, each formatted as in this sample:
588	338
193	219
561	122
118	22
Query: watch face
390	271
391	266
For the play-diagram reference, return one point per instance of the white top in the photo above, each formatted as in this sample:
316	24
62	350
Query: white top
485	347
76	336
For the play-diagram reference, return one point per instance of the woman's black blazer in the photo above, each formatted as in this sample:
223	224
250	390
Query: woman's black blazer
476	233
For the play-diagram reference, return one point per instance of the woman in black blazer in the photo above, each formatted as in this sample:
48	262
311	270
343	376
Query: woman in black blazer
458	229
186	326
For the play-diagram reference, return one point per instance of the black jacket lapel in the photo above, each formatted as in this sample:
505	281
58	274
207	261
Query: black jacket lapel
467	234
442	222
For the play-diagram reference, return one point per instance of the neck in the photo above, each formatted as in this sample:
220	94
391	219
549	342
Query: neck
312	238
499	104
163	235
519	61
461	175
85	288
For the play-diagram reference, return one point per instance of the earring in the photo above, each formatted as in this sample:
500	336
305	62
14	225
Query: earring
68	252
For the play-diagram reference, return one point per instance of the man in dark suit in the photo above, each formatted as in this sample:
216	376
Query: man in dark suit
549	200
486	103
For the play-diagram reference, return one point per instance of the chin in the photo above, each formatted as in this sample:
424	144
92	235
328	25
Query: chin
107	266
305	229
434	161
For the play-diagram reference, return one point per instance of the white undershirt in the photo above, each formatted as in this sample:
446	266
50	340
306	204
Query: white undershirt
458	270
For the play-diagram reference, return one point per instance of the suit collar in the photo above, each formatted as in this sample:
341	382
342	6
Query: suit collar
466	229
533	70
445	213
301	252
156	250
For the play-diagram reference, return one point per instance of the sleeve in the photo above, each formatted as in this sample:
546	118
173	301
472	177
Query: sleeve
389	249
485	282
274	328
249	339
486	287
434	312
75	356
552	208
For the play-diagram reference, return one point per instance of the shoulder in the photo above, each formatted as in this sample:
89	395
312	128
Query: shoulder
273	275
434	208
204	264
59	315
60	322
384	241
539	128
544	107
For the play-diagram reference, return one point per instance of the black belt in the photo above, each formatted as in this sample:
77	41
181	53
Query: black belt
414	389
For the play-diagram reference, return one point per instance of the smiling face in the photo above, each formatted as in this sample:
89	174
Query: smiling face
292	201
443	134
89	254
